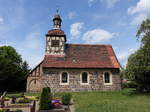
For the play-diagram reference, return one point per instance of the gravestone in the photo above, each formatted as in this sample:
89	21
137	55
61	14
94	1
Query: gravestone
2	100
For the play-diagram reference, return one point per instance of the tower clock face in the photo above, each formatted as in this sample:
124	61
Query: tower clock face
55	45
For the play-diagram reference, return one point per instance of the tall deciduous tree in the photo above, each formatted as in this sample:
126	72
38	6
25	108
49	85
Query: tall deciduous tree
138	67
12	70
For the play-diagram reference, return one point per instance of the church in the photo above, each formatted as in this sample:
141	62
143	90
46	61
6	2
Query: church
70	67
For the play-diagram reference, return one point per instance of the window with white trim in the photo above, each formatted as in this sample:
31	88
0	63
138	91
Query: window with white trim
84	78
107	78
64	77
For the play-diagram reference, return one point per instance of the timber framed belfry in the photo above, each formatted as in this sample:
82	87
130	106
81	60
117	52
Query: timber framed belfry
74	67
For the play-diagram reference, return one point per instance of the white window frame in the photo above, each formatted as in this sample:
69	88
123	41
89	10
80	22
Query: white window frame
61	83
88	77
110	75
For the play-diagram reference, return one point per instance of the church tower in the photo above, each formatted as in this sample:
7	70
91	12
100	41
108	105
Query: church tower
55	38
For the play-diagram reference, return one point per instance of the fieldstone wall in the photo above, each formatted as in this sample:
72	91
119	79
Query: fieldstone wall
51	78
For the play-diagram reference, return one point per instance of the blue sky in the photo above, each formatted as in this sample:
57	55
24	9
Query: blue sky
24	23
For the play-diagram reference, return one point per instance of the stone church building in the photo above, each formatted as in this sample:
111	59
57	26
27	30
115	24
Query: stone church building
74	67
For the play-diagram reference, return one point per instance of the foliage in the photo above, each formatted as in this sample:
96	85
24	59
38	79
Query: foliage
6	110
17	110
66	98
138	67
118	101
12	70
32	98
45	99
129	84
144	32
122	73
23	100
7	98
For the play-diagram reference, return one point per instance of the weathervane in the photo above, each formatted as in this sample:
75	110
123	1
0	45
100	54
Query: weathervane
57	9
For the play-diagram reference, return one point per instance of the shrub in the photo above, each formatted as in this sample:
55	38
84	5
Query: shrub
7	110
130	84
32	98
24	100
45	99
17	110
7	98
22	95
66	98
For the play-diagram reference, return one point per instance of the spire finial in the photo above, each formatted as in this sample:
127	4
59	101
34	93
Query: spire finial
57	9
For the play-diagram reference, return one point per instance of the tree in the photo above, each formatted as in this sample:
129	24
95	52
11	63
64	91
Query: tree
138	67
12	70
45	99
143	32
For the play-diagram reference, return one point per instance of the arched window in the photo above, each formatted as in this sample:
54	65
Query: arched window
64	77
84	78
107	77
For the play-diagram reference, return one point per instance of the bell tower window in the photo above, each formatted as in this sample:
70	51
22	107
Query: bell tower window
55	43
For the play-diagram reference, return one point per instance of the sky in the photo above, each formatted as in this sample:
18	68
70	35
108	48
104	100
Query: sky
24	23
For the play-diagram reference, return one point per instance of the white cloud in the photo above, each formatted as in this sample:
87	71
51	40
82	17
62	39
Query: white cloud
123	56
91	2
143	6
141	10
97	35
1	20
75	29
138	19
110	3
71	15
97	16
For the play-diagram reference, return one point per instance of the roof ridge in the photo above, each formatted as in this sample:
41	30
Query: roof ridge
91	44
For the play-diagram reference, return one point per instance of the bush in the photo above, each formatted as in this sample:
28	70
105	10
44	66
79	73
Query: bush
7	98
32	98
24	100
7	110
130	84
66	98
45	99
17	110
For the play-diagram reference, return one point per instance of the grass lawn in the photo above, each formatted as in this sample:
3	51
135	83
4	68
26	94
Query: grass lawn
121	101
118	101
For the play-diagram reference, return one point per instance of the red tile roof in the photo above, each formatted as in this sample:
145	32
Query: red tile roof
56	32
83	56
